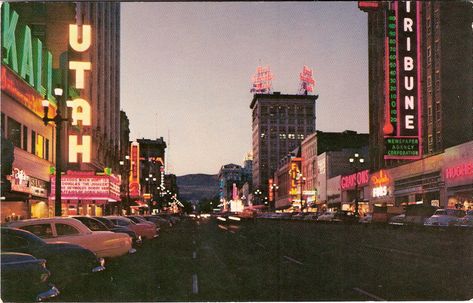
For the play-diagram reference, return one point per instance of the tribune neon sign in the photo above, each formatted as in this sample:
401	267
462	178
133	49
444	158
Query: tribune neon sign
81	112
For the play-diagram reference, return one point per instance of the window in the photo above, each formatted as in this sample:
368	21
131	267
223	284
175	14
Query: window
41	230
12	242
14	132
25	138
33	142
39	146
65	230
46	151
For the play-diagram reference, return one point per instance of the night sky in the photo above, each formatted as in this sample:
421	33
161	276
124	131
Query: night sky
186	71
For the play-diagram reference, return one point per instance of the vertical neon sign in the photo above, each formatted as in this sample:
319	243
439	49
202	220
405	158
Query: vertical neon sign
134	184
81	141
403	140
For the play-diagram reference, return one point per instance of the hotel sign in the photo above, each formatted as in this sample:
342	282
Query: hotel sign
402	127
134	182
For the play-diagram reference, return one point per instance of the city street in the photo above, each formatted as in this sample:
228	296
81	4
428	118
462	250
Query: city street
209	260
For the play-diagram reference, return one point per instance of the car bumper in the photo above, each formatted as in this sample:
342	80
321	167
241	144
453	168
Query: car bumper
48	294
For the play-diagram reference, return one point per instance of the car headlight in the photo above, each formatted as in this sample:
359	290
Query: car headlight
101	261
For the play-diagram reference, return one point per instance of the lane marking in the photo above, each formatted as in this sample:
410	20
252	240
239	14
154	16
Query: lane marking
195	284
193	242
243	237
232	231
368	294
293	260
260	245
194	255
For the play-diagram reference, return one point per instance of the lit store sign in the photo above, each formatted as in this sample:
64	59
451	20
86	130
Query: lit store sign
402	127
80	143
24	56
379	183
360	178
464	170
134	184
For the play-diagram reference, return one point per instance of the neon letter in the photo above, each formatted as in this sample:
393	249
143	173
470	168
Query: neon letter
80	67
409	102
8	36
83	149
409	122
408	63
83	115
74	37
409	82
408	24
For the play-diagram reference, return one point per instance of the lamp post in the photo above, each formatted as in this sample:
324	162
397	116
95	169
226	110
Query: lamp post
58	119
257	194
126	163
301	183
356	161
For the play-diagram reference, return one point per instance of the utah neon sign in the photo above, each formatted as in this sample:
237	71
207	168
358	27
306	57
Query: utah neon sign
81	112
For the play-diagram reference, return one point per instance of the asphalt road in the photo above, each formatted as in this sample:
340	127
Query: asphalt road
209	260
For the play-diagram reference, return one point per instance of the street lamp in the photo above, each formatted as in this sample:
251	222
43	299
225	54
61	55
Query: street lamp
301	180
58	119
356	161
258	193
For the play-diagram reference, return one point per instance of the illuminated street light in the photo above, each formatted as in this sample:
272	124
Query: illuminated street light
356	161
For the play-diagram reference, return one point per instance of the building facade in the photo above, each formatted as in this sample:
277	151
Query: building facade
228	176
444	43
280	123
309	168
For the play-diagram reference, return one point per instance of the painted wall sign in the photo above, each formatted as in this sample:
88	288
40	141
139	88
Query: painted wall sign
403	140
79	185
24	56
134	182
80	140
360	178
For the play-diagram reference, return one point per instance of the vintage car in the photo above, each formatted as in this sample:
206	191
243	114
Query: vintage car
115	228
445	217
65	261
104	244
25	278
146	231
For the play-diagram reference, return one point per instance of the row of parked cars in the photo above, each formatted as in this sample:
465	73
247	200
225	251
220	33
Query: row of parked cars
41	256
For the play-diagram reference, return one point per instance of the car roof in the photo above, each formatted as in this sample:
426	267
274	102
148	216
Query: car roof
65	220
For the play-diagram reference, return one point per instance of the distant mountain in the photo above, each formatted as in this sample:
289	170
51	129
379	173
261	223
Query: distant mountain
197	186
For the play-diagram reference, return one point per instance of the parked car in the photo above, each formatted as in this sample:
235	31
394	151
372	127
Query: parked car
366	219
328	216
59	229
397	220
311	217
173	219
445	217
382	214
467	220
417	213
146	231
65	261
103	224
140	219
159	221
25	278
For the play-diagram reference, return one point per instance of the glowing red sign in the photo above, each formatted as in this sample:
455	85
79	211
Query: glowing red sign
262	80
357	179
380	178
462	170
270	189
134	183
307	80
80	185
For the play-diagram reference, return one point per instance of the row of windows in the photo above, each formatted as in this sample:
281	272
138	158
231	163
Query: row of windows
18	134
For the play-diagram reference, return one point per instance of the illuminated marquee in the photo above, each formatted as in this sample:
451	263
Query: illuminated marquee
464	170
360	178
80	140
403	126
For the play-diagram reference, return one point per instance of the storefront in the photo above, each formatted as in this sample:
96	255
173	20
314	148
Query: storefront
87	193
355	187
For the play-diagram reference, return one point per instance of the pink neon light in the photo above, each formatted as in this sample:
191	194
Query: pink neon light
398	124
419	65
388	126
262	80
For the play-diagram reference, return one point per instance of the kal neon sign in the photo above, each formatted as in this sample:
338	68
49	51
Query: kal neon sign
81	111
402	127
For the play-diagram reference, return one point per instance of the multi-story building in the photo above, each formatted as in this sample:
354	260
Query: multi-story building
288	178
280	123
309	167
444	66
230	175
152	168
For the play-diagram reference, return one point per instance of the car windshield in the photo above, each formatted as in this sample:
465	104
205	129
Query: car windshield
106	222
440	212
92	224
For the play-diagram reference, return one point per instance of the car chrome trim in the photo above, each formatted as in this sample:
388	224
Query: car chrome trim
98	268
50	293
132	251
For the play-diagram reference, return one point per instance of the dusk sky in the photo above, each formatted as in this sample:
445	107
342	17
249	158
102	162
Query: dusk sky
186	70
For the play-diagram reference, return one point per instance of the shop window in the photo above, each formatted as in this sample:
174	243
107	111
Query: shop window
14	132
25	138
41	230
33	142
65	230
